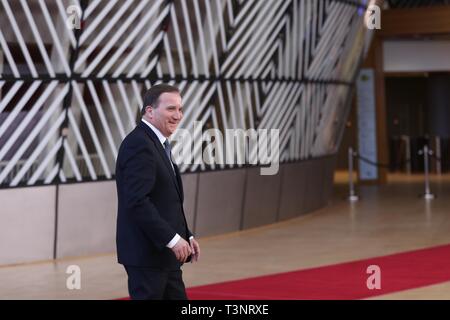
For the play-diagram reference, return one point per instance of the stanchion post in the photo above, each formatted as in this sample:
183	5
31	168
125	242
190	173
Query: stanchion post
408	154
428	195
352	196
438	155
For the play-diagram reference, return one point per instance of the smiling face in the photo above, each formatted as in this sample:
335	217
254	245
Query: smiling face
167	114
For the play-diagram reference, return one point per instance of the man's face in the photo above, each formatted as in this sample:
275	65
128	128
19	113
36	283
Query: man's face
167	115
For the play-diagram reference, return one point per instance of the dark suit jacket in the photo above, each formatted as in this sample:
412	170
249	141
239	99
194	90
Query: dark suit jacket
150	202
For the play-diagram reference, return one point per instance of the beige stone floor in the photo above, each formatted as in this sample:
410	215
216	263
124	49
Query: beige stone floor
387	219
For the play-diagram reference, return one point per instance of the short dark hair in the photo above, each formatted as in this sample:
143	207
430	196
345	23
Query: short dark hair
152	95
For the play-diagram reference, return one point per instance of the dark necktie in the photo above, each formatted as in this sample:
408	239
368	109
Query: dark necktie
168	149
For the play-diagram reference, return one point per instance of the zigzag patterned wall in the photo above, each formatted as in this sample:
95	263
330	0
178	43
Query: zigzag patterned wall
69	96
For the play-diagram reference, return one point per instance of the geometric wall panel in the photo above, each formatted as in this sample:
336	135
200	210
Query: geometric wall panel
69	96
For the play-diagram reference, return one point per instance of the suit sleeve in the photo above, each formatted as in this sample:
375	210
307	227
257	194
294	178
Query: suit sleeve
140	175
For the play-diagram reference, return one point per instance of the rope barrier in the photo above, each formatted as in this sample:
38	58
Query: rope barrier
435	157
378	164
424	152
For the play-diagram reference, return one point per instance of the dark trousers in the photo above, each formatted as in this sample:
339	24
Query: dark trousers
153	284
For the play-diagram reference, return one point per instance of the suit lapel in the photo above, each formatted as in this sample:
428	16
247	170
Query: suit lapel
180	183
162	153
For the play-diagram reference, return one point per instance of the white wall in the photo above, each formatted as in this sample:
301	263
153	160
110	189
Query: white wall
87	211
87	218
416	56
27	223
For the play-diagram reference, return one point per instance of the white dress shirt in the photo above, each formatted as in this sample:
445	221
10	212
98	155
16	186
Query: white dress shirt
163	139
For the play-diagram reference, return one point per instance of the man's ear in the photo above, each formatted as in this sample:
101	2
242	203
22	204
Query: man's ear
149	110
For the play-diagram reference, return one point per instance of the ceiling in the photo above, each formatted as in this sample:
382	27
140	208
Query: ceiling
416	3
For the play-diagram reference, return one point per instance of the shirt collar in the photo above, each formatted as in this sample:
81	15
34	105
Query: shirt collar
158	133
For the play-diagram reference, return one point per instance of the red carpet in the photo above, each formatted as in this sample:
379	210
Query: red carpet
399	272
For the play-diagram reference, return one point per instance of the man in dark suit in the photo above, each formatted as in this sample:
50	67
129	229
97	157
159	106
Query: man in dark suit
153	239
